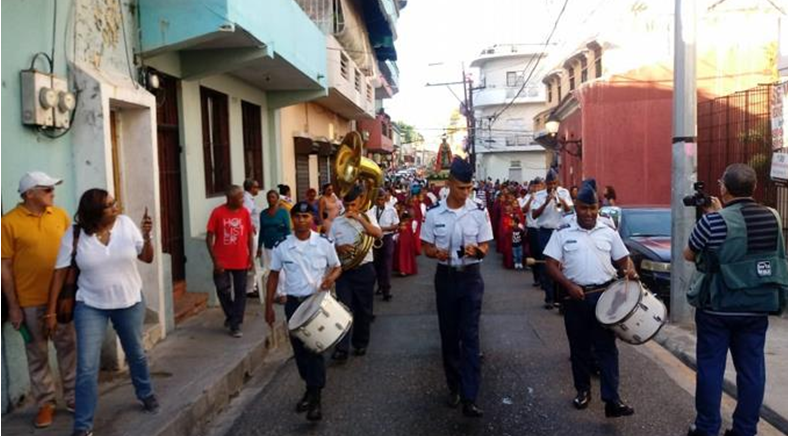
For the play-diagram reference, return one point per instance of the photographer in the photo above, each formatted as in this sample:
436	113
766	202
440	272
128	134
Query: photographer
739	254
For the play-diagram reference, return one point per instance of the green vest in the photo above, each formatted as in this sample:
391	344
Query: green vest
730	279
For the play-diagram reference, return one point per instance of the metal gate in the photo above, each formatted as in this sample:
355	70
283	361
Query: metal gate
737	128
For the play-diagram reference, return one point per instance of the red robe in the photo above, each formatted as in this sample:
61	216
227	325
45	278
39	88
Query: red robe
405	250
506	241
419	218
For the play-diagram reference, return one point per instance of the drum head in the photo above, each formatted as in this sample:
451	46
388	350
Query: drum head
618	301
306	310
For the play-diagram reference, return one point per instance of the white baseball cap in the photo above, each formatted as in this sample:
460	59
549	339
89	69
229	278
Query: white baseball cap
36	178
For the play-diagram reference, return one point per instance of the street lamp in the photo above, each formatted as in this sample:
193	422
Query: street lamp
551	126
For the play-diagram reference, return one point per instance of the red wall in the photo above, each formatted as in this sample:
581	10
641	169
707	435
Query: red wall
626	132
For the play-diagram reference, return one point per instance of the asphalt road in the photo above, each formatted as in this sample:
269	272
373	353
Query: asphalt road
398	388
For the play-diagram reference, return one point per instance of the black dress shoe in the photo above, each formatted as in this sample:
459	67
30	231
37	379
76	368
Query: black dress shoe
695	432
387	297
617	409
303	405
548	306
339	356
730	432
471	410
453	400
314	413
581	400
360	351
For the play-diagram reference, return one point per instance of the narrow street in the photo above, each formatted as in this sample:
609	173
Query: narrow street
398	387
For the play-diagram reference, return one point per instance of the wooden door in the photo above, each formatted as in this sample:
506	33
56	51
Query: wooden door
116	166
170	179
302	175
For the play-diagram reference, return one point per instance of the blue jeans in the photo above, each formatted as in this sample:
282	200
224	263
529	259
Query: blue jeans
517	253
745	336
91	326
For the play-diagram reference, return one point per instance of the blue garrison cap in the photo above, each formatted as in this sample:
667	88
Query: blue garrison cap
301	207
461	170
353	193
552	175
587	192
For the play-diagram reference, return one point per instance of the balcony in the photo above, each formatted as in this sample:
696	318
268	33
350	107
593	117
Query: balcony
493	95
270	44
351	94
380	134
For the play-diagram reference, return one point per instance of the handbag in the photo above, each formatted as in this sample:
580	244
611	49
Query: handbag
68	294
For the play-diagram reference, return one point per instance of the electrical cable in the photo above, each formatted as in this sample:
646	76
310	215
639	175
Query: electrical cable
126	45
538	60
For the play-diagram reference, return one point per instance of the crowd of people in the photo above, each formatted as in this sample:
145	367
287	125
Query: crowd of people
310	246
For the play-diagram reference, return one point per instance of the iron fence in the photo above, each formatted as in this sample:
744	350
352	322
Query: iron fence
737	128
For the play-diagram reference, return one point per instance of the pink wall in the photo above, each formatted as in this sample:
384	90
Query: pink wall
626	131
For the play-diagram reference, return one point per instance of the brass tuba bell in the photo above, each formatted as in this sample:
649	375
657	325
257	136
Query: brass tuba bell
352	168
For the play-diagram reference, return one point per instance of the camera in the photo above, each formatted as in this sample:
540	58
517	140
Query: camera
699	198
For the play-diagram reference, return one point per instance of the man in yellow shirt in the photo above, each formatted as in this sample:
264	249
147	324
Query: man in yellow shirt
30	243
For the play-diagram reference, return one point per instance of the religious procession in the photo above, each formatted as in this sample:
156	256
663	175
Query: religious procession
221	224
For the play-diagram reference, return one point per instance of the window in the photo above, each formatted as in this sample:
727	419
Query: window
514	79
357	80
583	70
597	63
215	141
549	93
344	70
571	78
369	92
253	142
559	92
515	164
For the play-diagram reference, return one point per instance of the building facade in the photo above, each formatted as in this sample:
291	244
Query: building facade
504	106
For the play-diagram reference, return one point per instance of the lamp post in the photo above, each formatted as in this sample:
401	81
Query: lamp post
551	126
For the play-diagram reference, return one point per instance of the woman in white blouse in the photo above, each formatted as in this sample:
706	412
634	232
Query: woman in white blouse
109	288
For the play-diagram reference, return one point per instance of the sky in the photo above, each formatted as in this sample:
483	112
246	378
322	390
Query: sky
435	37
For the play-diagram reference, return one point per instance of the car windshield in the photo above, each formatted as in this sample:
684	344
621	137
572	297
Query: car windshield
650	222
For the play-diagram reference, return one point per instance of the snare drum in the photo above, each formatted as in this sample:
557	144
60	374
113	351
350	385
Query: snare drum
633	313
320	322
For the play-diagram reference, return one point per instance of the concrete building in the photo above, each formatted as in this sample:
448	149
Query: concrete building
504	110
359	73
611	89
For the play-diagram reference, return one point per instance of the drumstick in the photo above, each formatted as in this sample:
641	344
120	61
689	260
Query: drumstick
530	261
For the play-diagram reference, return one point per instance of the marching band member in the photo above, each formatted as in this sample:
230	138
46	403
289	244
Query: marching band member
548	208
457	232
356	287
578	258
388	219
312	265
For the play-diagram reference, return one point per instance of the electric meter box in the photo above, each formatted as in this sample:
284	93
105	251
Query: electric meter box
37	92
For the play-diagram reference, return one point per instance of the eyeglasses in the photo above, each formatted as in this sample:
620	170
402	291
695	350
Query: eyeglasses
111	205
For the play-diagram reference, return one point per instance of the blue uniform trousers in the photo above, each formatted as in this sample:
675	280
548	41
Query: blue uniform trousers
384	263
459	301
311	366
544	279
586	337
745	336
356	289
536	252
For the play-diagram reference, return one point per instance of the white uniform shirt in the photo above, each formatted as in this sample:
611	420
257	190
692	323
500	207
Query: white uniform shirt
254	212
108	275
551	216
586	255
452	230
392	201
345	231
305	263
386	218
530	221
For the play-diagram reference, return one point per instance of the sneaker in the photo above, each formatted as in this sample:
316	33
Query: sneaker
236	333
71	406
150	404
82	433
44	416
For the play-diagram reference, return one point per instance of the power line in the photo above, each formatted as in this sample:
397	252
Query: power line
538	60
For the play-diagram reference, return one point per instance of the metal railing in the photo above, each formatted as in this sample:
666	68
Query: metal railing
737	128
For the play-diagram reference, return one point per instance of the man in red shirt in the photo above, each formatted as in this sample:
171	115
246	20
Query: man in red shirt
230	240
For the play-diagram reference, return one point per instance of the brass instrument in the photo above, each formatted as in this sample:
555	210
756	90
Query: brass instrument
351	168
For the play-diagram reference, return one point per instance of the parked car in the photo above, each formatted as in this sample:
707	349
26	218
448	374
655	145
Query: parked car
645	231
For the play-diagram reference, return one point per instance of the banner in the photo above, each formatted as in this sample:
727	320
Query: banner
778	116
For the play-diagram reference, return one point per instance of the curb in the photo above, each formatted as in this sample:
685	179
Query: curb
673	344
197	415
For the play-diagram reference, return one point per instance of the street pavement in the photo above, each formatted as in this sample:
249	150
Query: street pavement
398	388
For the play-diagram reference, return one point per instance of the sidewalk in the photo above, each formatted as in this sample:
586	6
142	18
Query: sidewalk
196	371
681	342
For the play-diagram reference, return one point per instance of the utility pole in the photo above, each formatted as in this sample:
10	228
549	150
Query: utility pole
684	157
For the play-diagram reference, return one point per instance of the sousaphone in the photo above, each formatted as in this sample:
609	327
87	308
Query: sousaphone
352	168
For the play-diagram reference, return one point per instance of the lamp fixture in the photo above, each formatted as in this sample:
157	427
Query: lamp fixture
562	144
